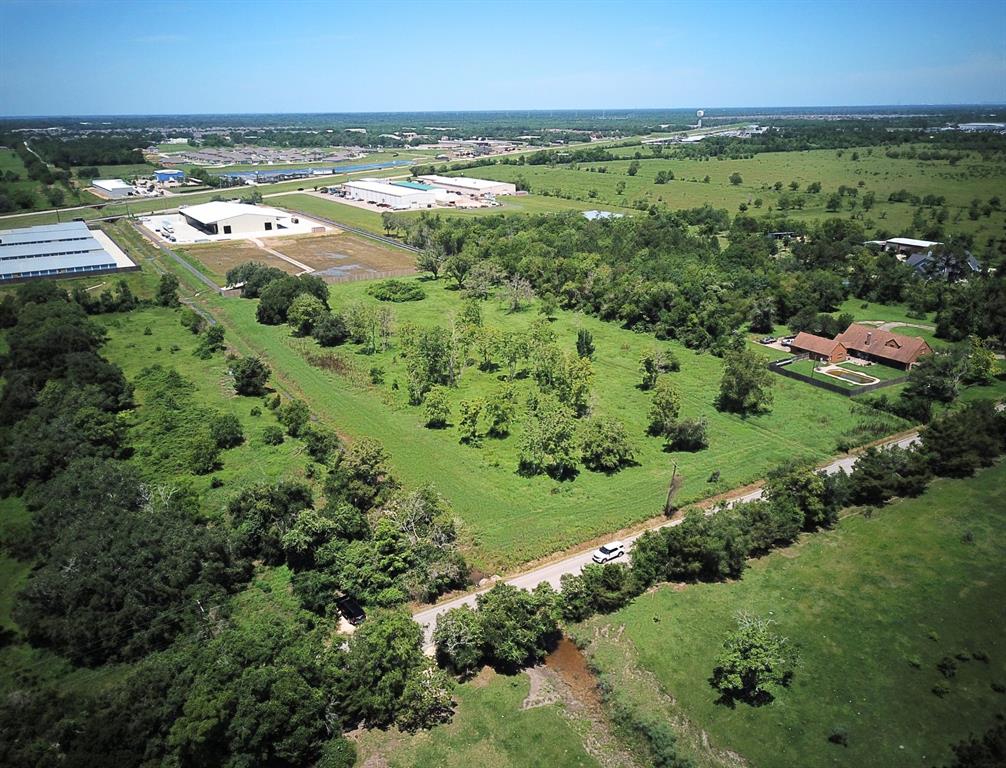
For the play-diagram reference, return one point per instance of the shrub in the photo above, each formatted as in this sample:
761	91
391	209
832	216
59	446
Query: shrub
330	330
397	290
272	435
604	445
688	435
226	431
250	376
437	407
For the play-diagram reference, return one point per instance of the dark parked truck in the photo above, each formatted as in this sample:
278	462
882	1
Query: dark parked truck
351	610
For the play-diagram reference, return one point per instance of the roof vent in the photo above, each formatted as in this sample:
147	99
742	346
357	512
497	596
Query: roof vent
869	335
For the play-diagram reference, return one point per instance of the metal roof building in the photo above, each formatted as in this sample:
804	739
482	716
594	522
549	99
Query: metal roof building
395	196
169	174
464	185
223	218
57	250
113	187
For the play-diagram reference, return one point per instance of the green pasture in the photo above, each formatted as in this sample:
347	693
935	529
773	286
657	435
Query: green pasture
872	606
509	519
959	184
11	161
489	728
171	345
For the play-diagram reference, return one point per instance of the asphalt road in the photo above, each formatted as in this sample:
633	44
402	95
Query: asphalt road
573	564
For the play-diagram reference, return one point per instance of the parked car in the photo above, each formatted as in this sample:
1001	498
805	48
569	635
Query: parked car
351	610
767	340
608	552
788	341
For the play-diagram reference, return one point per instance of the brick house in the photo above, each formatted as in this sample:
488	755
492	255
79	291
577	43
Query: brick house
819	348
885	347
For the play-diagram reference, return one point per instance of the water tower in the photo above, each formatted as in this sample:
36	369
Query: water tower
699	114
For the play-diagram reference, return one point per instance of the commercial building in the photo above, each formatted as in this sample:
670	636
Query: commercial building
166	175
463	185
883	346
819	348
398	197
57	250
113	187
222	218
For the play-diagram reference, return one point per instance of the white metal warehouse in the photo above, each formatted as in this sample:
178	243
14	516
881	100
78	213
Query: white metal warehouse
222	218
57	250
396	196
113	187
464	185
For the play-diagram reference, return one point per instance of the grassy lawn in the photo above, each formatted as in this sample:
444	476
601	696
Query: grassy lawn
511	519
873	606
882	372
489	729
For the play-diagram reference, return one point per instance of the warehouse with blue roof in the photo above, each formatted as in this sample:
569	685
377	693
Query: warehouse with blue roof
167	175
58	250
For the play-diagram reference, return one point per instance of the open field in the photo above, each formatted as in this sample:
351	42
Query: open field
489	729
333	256
344	254
217	258
959	184
510	519
873	606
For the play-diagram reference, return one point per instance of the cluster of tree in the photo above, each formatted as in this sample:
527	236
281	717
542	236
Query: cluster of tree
95	149
127	570
508	629
61	398
652	273
371	539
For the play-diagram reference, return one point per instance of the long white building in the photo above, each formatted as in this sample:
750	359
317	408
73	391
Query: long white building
223	218
400	196
58	250
464	185
113	187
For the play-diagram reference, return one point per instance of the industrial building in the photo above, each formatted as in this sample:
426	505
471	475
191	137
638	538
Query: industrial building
167	175
222	218
57	250
399	197
463	185
113	187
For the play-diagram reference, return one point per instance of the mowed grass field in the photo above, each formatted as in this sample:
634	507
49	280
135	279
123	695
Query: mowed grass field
959	184
872	606
489	729
510	519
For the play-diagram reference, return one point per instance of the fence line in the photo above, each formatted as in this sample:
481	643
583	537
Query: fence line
781	367
404	272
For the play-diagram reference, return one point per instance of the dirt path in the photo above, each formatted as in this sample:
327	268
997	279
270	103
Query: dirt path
564	678
300	265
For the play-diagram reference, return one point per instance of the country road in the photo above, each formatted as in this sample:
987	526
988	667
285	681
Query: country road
572	564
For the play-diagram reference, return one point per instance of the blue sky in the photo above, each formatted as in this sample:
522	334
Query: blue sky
68	58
